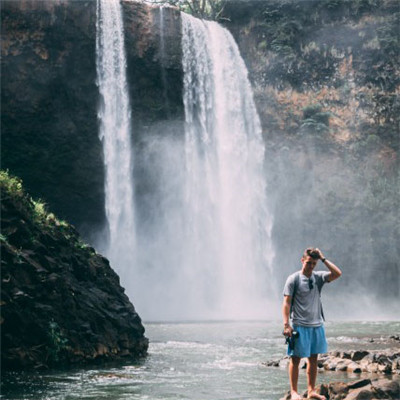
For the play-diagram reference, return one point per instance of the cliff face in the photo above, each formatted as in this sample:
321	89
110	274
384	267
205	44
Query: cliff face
326	79
49	104
340	54
50	98
61	302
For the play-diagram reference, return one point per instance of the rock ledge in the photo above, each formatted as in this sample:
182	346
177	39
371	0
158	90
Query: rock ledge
357	361
364	389
61	302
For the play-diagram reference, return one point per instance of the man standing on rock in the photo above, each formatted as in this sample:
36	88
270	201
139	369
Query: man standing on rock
302	303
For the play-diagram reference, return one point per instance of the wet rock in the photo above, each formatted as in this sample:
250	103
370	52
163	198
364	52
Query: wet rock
364	393
359	383
367	361
61	303
358	355
387	387
284	363
363	389
330	365
354	368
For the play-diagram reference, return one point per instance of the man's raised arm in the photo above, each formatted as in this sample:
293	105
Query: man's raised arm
335	271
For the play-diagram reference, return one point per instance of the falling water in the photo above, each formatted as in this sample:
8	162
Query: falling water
114	132
162	60
228	250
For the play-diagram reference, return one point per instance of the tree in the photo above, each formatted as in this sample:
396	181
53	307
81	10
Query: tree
205	9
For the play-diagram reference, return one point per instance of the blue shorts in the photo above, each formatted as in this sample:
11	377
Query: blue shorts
310	341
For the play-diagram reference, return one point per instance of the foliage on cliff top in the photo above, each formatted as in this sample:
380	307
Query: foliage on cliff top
205	9
55	289
35	212
307	40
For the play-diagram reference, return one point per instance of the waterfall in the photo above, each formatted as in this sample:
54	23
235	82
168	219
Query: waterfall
114	132
202	245
228	237
162	60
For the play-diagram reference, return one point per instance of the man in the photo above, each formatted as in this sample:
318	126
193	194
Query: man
302	303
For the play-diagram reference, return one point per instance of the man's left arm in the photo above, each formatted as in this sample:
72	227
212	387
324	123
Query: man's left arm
334	270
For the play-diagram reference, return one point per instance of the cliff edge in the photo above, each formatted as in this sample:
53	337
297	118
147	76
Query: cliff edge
61	302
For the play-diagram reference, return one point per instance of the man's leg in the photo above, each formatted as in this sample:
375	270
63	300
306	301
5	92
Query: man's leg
294	377
312	367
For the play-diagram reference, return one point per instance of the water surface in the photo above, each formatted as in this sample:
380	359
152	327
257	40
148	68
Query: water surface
199	360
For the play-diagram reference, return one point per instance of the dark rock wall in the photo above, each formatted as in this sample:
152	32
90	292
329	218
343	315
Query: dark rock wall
49	97
49	105
155	75
61	302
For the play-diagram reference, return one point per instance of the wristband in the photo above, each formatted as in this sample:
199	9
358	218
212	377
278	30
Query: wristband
323	259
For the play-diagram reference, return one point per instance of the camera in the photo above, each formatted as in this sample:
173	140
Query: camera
290	340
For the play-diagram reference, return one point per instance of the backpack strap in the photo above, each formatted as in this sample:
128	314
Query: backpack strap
295	287
319	285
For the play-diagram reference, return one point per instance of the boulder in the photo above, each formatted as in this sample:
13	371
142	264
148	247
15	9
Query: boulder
387	387
387	362
358	355
362	389
61	302
354	368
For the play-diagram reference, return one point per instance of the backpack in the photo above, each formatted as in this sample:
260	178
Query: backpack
296	285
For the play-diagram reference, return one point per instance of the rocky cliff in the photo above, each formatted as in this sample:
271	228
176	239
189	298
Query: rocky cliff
326	78
49	96
326	82
61	302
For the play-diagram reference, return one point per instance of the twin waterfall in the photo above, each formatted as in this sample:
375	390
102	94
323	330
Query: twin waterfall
216	263
115	134
226	206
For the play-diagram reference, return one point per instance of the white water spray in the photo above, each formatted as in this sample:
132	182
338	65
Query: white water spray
162	60
114	132
228	224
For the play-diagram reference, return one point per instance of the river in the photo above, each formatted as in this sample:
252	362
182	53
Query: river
197	360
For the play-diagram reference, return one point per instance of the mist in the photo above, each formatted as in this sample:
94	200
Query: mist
329	177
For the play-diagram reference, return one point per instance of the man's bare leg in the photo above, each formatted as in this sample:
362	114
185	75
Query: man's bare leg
294	377
312	367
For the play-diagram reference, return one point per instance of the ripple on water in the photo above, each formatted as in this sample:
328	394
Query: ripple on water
214	363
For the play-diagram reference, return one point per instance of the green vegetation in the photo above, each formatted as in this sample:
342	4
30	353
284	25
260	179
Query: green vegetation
315	120
36	212
205	9
307	40
39	210
10	185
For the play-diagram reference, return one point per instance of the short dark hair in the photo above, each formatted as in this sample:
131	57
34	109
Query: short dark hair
311	252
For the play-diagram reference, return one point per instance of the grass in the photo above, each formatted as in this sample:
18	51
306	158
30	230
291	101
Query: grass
36	211
11	184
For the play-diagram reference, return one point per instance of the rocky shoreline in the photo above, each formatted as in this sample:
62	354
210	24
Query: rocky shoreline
363	389
357	361
379	373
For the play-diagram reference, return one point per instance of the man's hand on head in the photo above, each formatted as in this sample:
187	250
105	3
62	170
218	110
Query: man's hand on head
321	256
